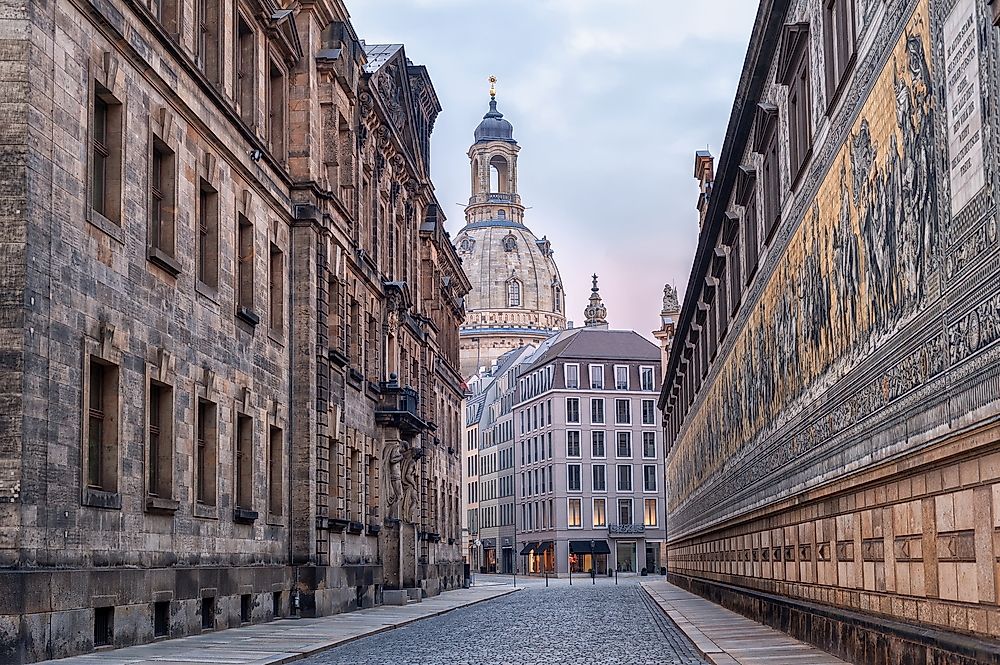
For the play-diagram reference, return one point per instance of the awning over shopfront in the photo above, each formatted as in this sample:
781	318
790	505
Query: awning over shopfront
543	547
528	547
583	547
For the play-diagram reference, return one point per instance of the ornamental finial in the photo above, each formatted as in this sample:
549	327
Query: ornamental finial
493	86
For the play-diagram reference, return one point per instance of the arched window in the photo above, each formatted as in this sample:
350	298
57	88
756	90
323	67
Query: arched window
513	293
557	298
498	174
501	214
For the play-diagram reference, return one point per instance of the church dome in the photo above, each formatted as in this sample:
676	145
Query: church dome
493	127
515	281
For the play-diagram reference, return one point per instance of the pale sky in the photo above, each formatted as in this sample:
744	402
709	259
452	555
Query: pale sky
609	100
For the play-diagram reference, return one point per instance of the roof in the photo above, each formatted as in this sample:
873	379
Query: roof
378	55
598	344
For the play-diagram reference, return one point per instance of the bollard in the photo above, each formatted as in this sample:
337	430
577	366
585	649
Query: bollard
593	576
546	577
571	575
616	577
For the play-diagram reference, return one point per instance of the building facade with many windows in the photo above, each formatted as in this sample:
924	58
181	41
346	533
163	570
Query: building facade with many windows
830	404
222	239
588	452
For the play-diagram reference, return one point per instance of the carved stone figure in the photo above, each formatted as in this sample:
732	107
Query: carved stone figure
410	482
392	459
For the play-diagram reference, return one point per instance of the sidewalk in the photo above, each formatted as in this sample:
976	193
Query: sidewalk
728	638
286	640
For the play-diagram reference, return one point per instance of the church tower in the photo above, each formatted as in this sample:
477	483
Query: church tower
517	293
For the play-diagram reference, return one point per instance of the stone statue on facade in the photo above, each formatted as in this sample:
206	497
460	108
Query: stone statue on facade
410	482
392	458
670	300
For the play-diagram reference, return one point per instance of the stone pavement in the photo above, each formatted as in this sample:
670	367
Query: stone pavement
286	640
583	624
728	638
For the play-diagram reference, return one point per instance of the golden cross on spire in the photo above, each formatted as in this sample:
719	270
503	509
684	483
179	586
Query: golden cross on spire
493	86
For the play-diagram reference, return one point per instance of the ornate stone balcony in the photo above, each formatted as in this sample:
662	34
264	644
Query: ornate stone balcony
399	407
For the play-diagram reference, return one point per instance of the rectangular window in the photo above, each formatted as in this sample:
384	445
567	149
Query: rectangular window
573	444
160	455
106	155
648	477
624	445
207	453
275	476
573	510
649	512
277	289
623	411
752	242
244	270
208	234
572	409
573	483
161	198
600	478
597	410
625	511
621	377
839	43
597	377
735	275
597	444
246	69
649	445
648	412
647	379
208	38
772	186
624	477
102	426
276	111
244	462
600	516
572	375
800	116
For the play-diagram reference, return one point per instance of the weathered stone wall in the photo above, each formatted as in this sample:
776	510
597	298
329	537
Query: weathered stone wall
838	448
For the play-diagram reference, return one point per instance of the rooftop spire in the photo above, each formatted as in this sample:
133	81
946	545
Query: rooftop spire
596	314
493	87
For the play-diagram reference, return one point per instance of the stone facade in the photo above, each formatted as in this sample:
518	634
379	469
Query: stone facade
830	400
517	296
229	324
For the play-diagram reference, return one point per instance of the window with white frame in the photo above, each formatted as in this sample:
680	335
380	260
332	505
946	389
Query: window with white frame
646	380
573	444
648	412
573	483
623	449
572	375
621	377
597	410
599	472
573	510
649	512
648	477
597	377
597	444
649	445
572	409
623	411
624	511
600	513
624	477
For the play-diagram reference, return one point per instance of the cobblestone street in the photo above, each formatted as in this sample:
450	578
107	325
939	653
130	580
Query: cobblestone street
583	623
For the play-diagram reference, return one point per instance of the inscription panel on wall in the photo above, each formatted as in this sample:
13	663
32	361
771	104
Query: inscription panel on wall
963	100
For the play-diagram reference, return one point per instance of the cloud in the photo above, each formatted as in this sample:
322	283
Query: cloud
609	101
